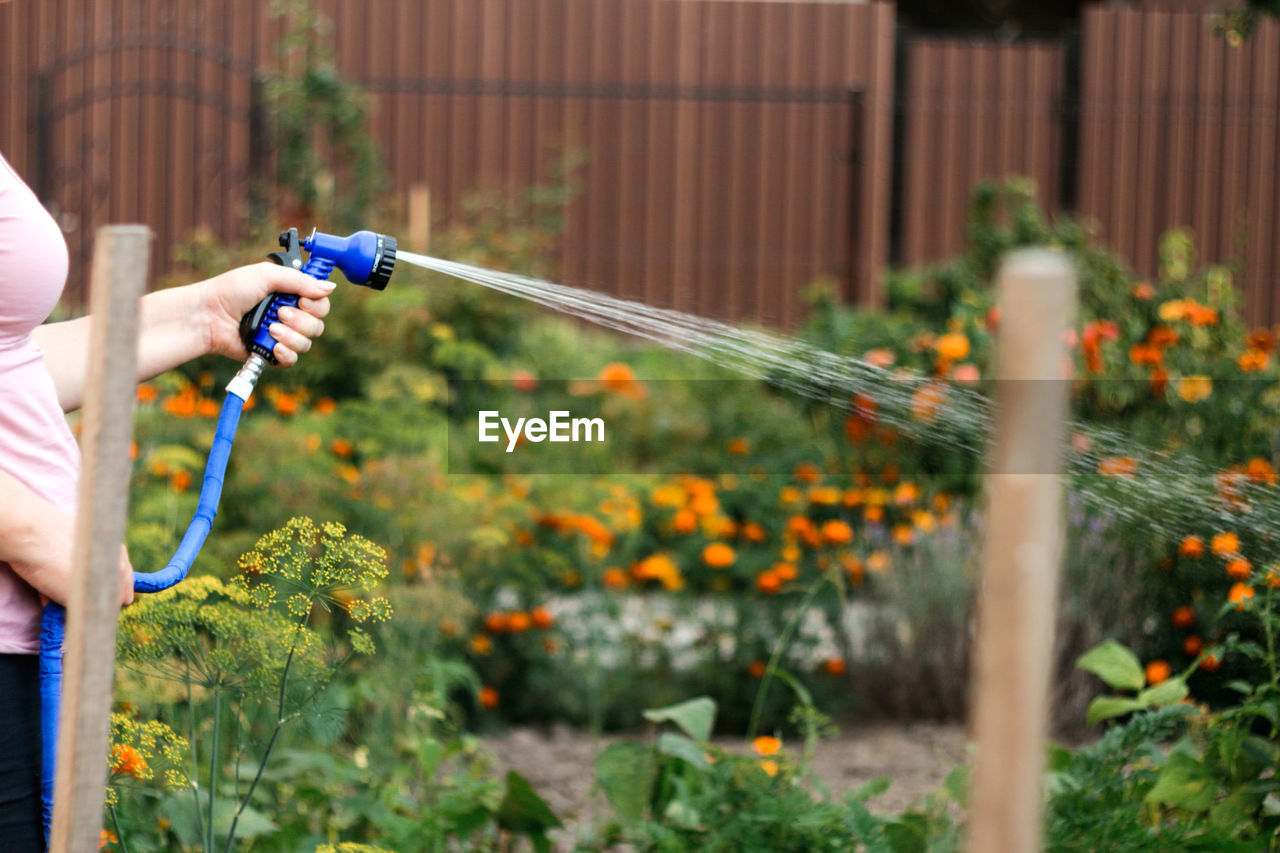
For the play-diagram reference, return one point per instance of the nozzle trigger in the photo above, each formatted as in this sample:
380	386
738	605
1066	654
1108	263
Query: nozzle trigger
292	254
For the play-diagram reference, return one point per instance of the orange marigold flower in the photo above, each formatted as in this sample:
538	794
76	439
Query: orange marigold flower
785	571
904	534
615	578
953	346
1162	336
495	622
879	357
1260	471
481	644
524	381
769	766
1202	315
181	481
1239	569
1143	290
147	393
488	697
1191	546
342	447
833	666
1240	594
837	532
1183	617
755	669
1118	466
1192	645
1211	663
718	555
807	472
127	761
753	532
286	404
766	745
619	378
1225	544
518	622
661	568
685	521
738	446
1157	671
1263	339
542	618
906	493
1253	361
873	514
768	582
182	404
878	562
1159	382
789	495
926	401
325	406
1146	355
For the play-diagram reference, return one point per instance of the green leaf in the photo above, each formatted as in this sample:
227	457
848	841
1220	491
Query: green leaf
1184	783
522	810
1236	811
870	791
627	772
694	717
679	746
1106	707
1168	692
1114	664
909	834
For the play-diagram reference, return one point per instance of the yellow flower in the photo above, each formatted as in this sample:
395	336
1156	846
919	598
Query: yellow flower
1193	389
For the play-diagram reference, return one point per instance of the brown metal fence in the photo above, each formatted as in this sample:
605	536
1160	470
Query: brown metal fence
1178	128
724	138
737	149
973	110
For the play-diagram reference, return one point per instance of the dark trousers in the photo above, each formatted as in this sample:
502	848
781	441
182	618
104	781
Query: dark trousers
21	830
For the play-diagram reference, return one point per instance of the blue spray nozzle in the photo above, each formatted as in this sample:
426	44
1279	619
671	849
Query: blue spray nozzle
365	257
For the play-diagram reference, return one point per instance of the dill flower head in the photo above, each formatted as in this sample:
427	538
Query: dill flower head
305	564
145	752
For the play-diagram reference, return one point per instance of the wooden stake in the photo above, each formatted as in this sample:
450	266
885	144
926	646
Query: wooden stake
419	219
1023	545
119	277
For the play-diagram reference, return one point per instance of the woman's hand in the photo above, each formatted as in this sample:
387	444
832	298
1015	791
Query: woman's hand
226	298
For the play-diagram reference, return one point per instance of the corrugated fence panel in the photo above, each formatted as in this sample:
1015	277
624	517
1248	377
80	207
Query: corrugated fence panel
1179	129
974	110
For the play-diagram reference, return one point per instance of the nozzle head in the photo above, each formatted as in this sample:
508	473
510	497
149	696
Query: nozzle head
365	258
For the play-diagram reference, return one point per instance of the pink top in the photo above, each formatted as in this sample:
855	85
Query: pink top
36	446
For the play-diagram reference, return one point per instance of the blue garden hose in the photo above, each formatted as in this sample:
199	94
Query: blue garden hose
366	259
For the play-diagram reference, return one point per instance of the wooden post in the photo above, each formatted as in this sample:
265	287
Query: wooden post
419	219
1018	600
119	277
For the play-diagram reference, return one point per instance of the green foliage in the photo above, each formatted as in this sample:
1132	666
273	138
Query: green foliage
683	792
325	159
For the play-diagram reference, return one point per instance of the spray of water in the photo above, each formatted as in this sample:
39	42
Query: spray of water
1166	492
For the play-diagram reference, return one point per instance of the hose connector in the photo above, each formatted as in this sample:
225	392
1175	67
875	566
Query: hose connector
246	378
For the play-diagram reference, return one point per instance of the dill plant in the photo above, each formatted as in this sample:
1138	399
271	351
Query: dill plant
249	657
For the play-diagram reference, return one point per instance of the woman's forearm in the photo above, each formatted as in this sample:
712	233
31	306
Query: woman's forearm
35	539
173	329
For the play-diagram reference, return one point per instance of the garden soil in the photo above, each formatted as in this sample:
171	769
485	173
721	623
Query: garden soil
559	762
